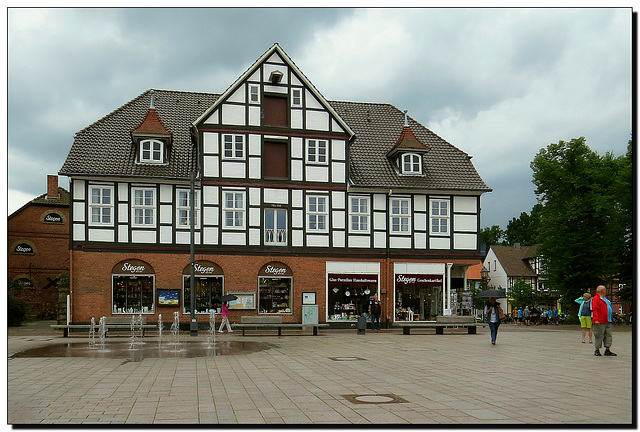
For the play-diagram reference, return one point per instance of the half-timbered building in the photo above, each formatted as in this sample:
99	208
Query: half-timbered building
296	199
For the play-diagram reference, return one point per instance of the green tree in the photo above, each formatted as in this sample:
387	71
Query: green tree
491	236
524	229
522	294
580	228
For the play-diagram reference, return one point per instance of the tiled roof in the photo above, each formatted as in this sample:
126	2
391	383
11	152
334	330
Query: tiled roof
378	127
515	260
408	141
473	272
152	125
106	148
61	200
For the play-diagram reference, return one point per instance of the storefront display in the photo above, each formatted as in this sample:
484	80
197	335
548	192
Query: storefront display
133	284
209	287
418	297
349	295
275	289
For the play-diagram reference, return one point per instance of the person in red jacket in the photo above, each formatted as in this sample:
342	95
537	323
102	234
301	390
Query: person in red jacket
602	318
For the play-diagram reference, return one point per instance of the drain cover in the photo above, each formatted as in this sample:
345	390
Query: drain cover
374	398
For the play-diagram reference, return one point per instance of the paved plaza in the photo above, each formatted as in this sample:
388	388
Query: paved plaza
533	376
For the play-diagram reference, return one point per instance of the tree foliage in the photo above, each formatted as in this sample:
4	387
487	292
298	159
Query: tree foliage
524	229
492	236
522	294
584	215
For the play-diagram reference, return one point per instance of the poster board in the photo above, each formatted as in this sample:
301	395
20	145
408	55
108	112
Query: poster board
244	301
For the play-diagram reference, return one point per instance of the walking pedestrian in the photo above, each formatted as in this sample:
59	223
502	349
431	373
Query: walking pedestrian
602	317
584	314
225	318
526	314
515	316
492	314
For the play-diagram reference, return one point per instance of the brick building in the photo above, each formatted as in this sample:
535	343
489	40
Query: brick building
296	199
38	242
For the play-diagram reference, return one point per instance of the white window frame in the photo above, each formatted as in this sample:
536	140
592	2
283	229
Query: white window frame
400	216
143	207
318	213
359	216
183	208
317	154
439	217
276	236
156	155
295	103
103	206
233	147
411	163
237	210
255	87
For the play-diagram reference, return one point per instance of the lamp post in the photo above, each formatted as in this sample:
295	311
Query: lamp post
193	324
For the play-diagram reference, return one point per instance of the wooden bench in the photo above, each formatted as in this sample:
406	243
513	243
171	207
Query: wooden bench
442	322
271	322
112	323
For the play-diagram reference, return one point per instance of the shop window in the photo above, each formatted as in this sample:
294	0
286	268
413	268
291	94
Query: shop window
418	297
349	295
133	294
275	294
101	205
208	291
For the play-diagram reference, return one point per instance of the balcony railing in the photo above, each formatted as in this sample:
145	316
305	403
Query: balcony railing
275	236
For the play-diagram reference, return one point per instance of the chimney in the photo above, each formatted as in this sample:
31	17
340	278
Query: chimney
517	246
52	187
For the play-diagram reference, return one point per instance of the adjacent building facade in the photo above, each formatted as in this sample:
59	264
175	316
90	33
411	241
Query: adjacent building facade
38	242
297	200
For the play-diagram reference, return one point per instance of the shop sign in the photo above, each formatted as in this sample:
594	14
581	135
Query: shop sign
132	266
349	279
275	269
54	218
409	279
203	268
23	248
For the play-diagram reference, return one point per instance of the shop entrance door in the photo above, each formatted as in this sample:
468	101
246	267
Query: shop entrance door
430	302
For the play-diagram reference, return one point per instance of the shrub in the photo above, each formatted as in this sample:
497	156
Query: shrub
16	311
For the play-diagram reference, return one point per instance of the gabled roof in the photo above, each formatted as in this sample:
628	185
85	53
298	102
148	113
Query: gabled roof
62	200
515	260
284	56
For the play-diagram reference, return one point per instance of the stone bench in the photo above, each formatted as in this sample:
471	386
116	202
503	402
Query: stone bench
272	322
112	323
442	322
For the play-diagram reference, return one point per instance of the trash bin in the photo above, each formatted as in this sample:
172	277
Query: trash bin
362	325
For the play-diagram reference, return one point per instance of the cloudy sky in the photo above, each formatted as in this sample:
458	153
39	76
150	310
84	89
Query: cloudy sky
500	84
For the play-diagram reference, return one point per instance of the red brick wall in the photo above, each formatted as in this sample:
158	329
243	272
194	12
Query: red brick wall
91	281
51	243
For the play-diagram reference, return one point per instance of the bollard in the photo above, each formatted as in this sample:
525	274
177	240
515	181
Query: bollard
362	325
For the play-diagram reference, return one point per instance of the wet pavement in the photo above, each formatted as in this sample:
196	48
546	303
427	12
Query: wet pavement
533	376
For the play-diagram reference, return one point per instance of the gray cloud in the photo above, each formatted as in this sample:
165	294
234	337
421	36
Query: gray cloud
497	83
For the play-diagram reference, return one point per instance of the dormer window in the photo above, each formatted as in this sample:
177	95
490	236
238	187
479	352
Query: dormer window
411	163
151	151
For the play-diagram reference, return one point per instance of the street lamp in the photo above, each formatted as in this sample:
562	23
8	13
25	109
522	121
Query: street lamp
484	273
